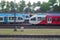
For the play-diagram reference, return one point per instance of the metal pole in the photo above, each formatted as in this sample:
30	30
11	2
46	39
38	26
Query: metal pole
15	27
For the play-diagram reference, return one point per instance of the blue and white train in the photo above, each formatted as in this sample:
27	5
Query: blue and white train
9	17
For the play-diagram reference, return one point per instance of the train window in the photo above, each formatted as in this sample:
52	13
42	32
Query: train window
49	19
19	18
33	19
30	15
1	18
57	19
41	18
27	16
11	18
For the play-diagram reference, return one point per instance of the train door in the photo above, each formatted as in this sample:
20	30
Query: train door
49	20
5	19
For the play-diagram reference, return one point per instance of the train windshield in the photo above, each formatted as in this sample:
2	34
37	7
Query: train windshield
33	19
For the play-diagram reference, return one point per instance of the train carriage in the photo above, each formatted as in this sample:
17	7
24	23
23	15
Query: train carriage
45	19
9	18
53	19
19	18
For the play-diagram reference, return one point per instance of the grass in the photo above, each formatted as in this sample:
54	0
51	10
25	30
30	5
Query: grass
30	32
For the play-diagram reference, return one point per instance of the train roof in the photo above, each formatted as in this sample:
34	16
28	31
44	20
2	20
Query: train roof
12	15
5	15
2	15
54	14
25	14
19	15
41	15
44	15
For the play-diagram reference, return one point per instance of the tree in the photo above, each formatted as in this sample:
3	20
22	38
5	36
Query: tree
56	8
29	4
34	5
52	2
45	6
0	8
27	10
59	2
7	9
2	4
38	3
16	7
21	6
12	5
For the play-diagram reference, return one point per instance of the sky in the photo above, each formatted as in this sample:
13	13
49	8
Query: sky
28	1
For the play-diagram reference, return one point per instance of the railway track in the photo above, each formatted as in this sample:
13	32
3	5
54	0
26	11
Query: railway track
27	25
30	36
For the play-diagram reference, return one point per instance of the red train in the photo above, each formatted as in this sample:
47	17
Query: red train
45	19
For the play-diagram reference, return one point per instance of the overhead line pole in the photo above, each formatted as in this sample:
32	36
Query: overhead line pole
15	27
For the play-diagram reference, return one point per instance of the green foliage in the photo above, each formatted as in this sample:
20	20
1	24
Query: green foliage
21	6
11	5
52	2
7	6
2	4
29	4
59	2
38	3
56	8
34	5
45	6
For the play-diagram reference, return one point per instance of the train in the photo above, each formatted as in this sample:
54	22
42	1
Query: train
9	17
41	18
46	19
